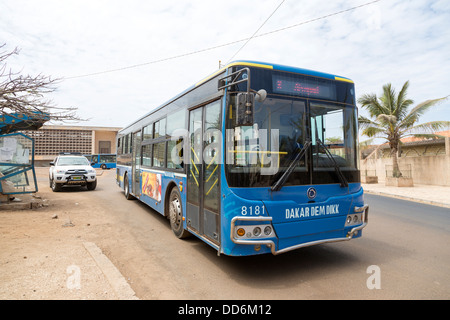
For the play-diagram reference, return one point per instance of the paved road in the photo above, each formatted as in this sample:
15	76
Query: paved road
408	243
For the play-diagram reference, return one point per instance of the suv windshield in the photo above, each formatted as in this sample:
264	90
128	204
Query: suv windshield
257	155
73	161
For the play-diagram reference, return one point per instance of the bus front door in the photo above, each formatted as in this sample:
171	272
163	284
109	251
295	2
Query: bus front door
203	176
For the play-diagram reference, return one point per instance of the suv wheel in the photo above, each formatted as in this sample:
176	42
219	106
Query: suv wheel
92	185
55	186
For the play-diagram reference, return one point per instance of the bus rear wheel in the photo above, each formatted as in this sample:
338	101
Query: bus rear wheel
175	211
126	188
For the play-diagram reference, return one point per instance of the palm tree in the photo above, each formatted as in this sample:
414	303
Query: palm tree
391	119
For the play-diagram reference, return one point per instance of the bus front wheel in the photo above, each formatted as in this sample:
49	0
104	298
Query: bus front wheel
176	214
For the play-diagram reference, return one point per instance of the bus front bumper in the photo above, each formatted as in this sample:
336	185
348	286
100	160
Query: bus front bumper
270	243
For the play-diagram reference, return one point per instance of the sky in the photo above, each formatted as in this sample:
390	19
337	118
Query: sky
390	41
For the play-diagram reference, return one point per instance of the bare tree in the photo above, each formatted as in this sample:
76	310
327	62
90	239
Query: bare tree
23	96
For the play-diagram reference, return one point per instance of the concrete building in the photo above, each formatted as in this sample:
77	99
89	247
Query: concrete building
427	161
50	140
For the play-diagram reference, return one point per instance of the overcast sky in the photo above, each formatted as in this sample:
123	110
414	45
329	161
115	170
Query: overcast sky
388	41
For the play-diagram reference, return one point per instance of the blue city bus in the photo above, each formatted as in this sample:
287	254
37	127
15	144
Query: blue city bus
103	160
256	158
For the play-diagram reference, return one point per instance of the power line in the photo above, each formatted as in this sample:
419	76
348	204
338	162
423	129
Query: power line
225	44
320	18
256	31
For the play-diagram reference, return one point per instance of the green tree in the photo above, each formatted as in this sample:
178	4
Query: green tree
392	118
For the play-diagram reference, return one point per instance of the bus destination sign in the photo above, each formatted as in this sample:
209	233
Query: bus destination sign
304	87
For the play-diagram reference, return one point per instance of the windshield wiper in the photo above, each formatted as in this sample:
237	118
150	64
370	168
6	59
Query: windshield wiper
341	177
280	182
344	182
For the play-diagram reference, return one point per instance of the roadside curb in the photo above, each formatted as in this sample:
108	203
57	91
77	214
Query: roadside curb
386	194
112	274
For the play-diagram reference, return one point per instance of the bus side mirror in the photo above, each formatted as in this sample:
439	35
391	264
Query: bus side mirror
245	104
261	95
244	109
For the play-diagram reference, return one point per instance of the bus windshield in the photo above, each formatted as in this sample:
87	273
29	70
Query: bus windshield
257	155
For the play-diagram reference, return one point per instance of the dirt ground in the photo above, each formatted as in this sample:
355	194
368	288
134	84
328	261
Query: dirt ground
43	251
45	255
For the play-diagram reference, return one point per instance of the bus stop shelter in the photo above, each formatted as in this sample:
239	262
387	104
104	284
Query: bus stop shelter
17	174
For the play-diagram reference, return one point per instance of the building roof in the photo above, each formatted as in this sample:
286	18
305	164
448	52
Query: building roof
90	128
14	122
408	141
414	141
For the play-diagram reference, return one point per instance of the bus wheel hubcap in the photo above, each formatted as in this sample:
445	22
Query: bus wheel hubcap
175	212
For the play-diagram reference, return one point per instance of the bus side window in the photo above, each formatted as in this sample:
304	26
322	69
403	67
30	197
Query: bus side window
125	145
159	152
147	155
175	154
160	128
148	132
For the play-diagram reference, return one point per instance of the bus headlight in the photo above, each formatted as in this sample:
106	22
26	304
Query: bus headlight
353	219
359	216
255	231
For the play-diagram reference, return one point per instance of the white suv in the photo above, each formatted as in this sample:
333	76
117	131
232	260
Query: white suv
71	170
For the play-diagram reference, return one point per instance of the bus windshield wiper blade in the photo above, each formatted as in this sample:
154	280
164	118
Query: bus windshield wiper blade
280	182
344	182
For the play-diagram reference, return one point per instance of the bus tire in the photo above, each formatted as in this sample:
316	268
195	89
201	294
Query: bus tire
175	214
126	188
103	166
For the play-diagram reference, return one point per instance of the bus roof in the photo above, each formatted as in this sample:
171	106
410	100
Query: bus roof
248	64
277	67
